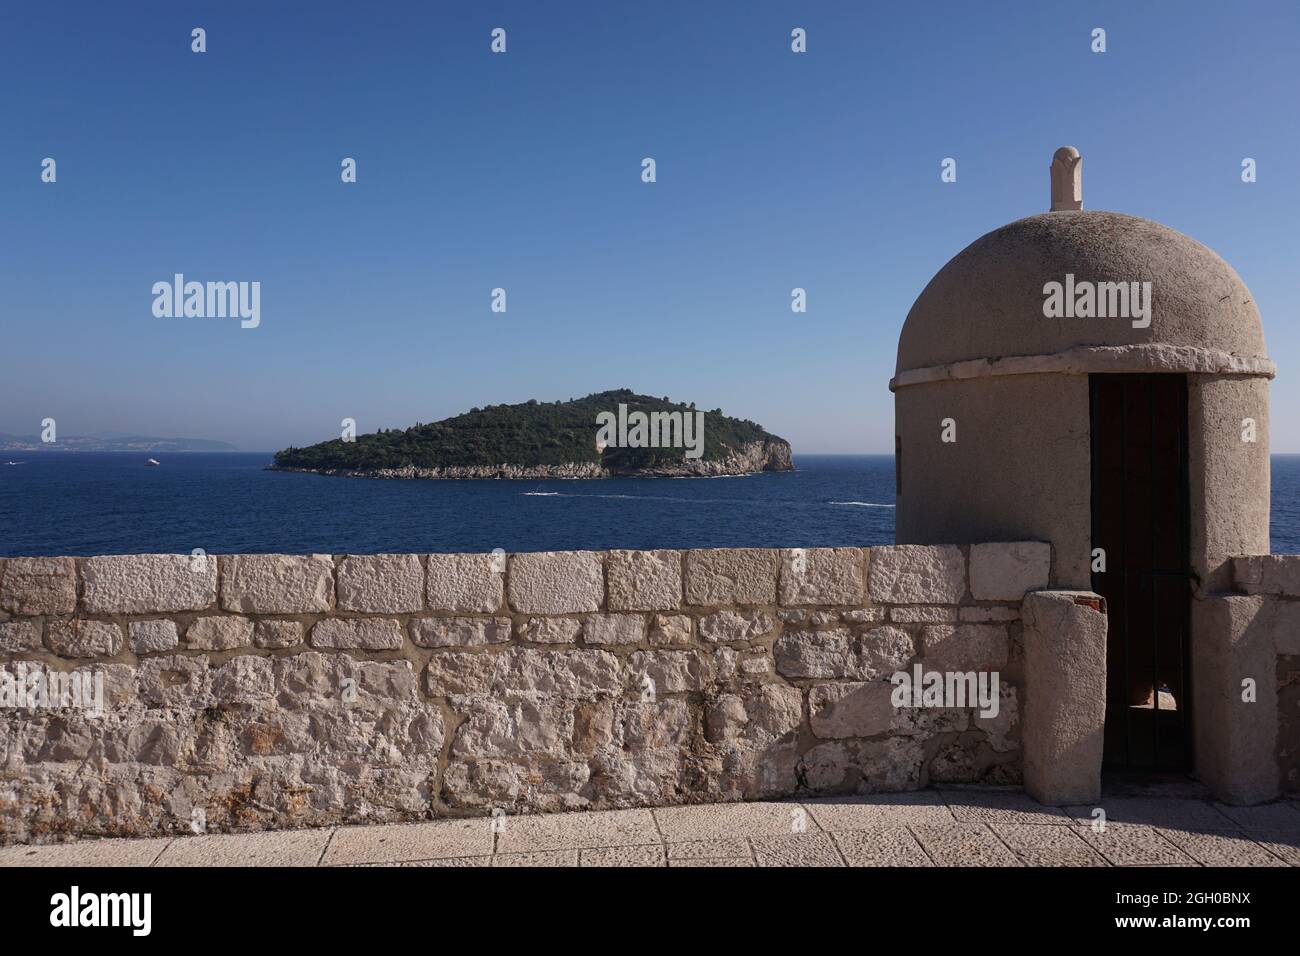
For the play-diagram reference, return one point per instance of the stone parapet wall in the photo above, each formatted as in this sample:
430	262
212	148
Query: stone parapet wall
260	691
1273	583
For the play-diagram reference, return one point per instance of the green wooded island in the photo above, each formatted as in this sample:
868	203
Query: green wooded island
614	433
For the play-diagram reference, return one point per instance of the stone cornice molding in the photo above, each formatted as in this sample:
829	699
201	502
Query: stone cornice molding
1084	359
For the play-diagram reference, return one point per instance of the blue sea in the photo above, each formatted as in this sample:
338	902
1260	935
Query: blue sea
110	503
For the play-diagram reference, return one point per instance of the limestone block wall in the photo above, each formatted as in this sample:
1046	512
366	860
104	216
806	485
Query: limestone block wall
259	691
1271	584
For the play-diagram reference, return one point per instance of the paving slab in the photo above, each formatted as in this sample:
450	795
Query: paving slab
1133	844
1156	812
538	858
86	853
1223	848
721	821
880	810
801	849
399	842
738	861
1001	806
623	856
561	831
881	846
1284	844
271	848
453	861
964	844
710	850
951	827
1036	845
1161	787
1269	816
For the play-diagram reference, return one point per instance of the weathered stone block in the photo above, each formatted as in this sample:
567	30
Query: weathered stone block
614	629
917	574
833	653
851	709
1005	571
456	674
755	735
244	680
644	580
39	586
78	638
277	583
670	629
864	615
885	650
965	647
381	583
655	727
756	719
828	768
277	634
370	633
219	633
1065	696
308	678
838	653
669	672
535	727
727	626
731	576
483	783
1233	638
175	681
148	583
986	615
1286	627
18	637
593	726
822	575
998	728
1268	574
576	674
460	631
556	582
149	637
466	583
890	765
923	615
551	630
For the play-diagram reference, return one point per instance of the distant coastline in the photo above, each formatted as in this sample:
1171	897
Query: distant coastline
34	444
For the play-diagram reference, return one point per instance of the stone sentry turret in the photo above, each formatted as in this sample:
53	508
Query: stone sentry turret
1012	425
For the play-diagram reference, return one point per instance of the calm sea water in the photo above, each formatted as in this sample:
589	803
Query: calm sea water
84	504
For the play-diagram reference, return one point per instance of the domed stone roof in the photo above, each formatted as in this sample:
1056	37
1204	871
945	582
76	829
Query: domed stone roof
987	304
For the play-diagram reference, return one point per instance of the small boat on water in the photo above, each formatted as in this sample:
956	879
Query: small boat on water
153	461
14	463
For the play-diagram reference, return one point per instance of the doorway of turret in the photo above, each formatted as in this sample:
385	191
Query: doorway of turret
1141	566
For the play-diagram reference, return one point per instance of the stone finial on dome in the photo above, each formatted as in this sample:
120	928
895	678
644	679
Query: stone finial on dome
1067	179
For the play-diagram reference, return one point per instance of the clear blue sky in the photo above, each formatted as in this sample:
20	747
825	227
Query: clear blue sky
522	171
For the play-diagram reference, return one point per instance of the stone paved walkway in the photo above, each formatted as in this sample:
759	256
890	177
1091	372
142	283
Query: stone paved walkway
928	828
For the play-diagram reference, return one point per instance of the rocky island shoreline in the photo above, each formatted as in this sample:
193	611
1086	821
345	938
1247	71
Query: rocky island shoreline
549	440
